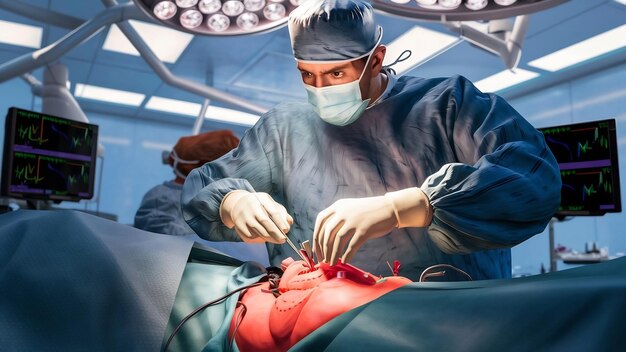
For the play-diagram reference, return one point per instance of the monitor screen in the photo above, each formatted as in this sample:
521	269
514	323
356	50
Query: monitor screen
587	157
48	157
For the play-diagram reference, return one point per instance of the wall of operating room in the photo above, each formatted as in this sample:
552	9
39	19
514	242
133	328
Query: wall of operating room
132	162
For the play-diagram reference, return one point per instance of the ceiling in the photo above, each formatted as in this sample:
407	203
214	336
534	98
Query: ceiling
260	67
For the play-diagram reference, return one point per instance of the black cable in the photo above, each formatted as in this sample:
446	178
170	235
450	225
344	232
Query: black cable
238	320
426	275
201	308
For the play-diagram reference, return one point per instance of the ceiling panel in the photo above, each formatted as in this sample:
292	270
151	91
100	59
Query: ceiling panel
123	78
544	20
572	30
87	50
463	59
271	73
9	16
225	57
84	9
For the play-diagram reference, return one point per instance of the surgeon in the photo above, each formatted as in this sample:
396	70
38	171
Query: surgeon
160	209
376	168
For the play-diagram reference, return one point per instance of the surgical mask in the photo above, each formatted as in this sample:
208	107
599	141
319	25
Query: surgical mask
340	104
179	160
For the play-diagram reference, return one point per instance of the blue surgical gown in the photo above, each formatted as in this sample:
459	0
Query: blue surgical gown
160	210
489	175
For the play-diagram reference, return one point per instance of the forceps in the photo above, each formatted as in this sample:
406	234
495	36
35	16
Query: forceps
299	253
306	260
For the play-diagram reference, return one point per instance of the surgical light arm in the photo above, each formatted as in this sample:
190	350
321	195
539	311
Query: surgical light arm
505	38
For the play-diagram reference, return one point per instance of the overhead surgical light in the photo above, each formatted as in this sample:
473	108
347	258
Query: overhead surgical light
191	19
209	6
221	17
451	10
218	22
476	5
274	11
450	4
505	2
186	3
247	21
165	10
254	5
232	8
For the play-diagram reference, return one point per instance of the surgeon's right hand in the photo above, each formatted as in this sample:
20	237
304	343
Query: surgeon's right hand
256	217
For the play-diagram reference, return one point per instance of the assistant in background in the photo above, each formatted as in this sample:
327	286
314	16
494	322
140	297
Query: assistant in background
160	207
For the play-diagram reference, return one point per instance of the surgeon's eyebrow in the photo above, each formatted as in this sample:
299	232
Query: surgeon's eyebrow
330	70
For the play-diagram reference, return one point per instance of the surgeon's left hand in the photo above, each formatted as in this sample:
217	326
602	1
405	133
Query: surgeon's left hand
341	229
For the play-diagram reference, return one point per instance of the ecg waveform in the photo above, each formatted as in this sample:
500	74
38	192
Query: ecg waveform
588	186
31	133
55	176
28	172
51	133
578	144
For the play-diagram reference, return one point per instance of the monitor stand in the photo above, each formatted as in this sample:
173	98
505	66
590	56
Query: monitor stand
553	259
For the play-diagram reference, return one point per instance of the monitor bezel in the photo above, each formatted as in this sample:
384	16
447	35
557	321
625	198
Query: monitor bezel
7	160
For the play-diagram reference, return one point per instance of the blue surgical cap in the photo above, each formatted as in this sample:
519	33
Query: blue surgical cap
333	30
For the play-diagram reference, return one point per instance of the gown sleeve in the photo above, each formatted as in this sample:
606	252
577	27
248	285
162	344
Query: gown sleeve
245	168
506	185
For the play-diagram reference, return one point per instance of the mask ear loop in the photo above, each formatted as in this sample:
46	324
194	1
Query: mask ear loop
178	160
180	174
399	59
367	62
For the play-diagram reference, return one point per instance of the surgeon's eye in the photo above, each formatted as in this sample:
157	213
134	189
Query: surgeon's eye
337	74
306	74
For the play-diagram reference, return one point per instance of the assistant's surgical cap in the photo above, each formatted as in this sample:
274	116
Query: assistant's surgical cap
333	30
203	148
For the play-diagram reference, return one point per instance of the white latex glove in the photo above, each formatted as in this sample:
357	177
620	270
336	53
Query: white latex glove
256	217
341	229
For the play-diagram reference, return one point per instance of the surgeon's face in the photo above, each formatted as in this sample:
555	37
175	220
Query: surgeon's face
323	75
